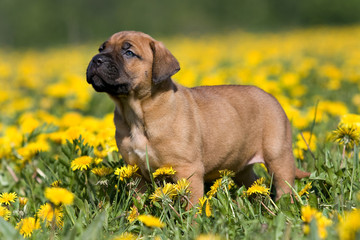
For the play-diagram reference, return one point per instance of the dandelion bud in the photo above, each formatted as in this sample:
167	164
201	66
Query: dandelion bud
23	201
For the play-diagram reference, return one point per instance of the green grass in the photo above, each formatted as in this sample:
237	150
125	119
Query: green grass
102	205
100	210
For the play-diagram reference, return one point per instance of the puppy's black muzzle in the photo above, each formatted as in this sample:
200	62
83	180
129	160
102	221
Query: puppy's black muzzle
98	60
103	74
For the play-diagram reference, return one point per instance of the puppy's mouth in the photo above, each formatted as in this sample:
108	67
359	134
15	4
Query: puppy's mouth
113	89
103	79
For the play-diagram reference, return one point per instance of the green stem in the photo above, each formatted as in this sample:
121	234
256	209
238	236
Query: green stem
354	168
296	193
148	166
267	209
70	216
272	202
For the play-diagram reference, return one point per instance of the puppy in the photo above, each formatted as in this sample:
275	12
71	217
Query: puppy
197	131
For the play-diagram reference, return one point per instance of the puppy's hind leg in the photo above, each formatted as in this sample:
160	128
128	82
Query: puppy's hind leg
278	153
282	168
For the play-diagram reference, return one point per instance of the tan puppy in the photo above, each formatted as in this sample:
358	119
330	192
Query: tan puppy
197	131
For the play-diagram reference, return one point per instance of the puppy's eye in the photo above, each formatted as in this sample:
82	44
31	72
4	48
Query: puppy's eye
130	53
101	48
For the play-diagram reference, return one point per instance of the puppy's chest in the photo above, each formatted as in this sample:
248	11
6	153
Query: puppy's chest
139	145
131	138
139	149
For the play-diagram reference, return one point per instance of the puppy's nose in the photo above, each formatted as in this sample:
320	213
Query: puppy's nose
98	60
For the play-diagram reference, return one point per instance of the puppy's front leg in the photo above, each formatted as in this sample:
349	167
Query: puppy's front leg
196	178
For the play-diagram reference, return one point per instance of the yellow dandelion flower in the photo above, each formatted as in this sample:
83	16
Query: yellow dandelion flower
208	208
226	176
133	214
28	122
58	196
305	189
151	221
102	171
23	201
299	153
7	198
126	172
98	161
350	120
259	181
182	187
100	153
264	167
310	140
164	171
227	173
214	188
164	193
57	90
81	163
322	223
49	215
208	237
27	225
125	236
204	201
306	140
103	151
114	147
56	183
4	213
31	149
306	229
349	227
258	188
230	183
347	135
308	214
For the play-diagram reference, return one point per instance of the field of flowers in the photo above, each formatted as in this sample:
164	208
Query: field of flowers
61	176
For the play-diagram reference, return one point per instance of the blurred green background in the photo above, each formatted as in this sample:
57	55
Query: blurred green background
40	23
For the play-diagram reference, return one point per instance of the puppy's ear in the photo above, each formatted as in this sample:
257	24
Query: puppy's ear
164	63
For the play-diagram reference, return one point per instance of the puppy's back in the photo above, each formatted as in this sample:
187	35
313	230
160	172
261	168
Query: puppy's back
243	97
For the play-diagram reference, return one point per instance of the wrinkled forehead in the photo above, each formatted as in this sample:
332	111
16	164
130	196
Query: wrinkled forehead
128	39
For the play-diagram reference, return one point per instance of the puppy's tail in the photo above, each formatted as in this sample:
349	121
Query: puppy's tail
301	174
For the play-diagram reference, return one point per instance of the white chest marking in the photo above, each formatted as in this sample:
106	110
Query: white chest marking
140	153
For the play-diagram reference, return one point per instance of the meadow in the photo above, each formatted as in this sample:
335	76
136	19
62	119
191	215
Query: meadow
61	176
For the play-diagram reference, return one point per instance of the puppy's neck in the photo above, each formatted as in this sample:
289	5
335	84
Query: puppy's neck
130	110
164	86
133	108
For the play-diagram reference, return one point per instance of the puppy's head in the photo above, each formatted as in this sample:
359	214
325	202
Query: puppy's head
130	61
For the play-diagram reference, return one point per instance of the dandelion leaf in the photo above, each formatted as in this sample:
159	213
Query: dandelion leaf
286	206
71	234
280	223
7	231
94	230
313	200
